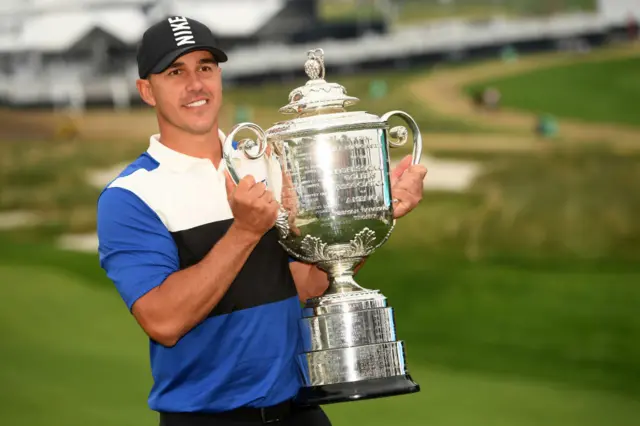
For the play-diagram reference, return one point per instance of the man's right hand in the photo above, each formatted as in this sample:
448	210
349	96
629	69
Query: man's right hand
254	208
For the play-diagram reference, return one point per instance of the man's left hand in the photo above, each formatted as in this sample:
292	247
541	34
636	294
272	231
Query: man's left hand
407	185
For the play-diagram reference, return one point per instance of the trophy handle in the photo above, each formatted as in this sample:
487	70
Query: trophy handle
252	150
247	146
399	134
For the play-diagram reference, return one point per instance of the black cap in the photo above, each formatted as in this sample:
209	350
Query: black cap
171	38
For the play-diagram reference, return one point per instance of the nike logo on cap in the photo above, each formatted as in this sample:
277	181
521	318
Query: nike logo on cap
182	33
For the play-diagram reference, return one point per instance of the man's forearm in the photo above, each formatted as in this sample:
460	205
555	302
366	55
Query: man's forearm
312	281
316	284
186	297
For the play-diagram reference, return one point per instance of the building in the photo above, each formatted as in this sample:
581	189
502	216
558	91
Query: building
78	52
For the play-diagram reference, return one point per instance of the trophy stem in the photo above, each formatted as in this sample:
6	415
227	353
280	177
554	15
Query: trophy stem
341	277
343	284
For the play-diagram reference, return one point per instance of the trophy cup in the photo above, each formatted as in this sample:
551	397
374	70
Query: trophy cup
335	210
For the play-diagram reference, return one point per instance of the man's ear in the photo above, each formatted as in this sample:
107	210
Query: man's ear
146	92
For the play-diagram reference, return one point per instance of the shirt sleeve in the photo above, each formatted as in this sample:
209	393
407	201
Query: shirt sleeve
135	248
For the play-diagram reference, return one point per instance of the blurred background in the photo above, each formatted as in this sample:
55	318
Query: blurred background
516	283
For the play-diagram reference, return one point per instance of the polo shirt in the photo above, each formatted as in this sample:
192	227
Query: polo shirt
164	213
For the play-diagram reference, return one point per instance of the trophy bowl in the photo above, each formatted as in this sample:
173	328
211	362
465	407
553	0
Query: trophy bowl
329	170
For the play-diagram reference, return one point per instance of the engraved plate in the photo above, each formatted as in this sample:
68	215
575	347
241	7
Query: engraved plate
340	175
356	363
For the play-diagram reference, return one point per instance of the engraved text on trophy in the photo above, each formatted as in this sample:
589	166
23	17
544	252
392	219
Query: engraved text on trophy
338	175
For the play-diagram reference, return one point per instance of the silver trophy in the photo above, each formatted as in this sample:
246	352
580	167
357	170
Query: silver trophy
330	173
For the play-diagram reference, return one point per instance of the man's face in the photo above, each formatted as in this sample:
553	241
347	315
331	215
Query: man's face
188	94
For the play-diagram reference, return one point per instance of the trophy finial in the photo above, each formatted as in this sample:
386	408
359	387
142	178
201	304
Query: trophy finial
314	67
317	96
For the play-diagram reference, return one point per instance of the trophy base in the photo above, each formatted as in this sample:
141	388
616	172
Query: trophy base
357	391
350	350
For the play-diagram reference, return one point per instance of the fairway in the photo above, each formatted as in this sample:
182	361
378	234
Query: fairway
602	91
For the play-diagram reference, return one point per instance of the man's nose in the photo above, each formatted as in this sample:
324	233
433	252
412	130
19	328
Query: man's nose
194	82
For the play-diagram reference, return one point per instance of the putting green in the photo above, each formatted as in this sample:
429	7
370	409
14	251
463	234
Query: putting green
601	91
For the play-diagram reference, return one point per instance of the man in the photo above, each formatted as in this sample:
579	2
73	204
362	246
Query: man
196	258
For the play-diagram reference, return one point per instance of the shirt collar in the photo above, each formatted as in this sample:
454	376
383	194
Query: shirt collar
174	159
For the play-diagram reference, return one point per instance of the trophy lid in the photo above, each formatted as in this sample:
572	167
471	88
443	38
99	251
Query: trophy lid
317	95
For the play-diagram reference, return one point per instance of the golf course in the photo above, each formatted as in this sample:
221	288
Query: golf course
517	296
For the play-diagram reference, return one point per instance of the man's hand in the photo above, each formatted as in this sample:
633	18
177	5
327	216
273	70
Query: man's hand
289	199
254	208
407	185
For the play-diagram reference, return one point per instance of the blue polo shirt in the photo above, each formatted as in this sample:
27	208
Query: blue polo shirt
164	213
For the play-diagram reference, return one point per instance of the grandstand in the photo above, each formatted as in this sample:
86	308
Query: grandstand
74	53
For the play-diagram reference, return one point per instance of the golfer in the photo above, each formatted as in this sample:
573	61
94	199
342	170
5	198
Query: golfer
196	258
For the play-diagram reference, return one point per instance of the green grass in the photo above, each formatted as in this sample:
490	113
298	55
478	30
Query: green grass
605	92
558	204
417	11
489	343
50	178
571	321
70	352
451	398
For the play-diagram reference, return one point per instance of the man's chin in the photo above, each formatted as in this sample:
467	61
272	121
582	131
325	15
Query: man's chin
200	129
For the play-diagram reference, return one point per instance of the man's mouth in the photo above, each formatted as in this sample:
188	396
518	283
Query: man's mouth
196	104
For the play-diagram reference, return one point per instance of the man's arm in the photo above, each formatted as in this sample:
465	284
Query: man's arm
310	280
138	257
186	297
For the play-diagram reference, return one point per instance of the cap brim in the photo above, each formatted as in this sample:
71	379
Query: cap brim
170	58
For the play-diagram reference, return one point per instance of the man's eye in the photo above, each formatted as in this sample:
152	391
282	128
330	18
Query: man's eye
174	72
207	68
